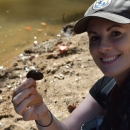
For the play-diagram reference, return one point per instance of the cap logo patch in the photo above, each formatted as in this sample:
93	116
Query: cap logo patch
99	4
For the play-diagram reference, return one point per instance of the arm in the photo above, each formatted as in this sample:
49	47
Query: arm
23	98
55	125
88	108
25	94
84	112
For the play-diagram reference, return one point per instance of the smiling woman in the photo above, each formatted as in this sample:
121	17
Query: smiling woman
17	15
109	44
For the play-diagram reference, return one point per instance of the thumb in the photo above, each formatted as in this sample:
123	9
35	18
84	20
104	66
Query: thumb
34	84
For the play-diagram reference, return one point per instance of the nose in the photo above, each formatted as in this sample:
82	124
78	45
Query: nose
105	46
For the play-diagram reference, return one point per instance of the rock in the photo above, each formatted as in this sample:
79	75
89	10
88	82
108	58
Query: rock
2	73
68	30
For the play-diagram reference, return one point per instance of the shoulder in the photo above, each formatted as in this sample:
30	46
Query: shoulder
95	91
100	84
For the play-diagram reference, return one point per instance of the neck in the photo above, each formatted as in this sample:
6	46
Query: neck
121	78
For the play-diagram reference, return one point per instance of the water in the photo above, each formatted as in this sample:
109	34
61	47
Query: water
44	19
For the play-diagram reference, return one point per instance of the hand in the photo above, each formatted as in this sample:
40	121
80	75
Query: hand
28	102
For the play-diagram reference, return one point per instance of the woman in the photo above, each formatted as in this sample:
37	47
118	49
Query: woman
107	23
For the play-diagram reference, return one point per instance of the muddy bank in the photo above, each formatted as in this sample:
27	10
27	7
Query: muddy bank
68	76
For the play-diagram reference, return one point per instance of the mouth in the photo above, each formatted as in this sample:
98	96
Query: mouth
109	60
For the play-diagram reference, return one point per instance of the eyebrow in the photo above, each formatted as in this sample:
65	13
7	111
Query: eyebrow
113	26
108	29
91	32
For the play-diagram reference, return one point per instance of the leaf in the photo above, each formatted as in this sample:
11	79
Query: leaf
43	23
28	28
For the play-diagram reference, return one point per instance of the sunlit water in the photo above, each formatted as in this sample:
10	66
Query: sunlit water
44	19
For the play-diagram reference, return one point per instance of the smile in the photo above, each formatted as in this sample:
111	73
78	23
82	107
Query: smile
109	59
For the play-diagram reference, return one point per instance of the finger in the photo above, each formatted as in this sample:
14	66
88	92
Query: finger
29	82
29	114
35	113
22	95
21	109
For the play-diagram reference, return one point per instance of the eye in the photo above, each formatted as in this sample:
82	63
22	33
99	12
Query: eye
116	33
94	38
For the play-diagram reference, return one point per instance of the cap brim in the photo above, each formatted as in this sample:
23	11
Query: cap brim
81	25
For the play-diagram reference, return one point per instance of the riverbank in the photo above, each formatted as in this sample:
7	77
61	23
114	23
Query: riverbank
23	22
68	76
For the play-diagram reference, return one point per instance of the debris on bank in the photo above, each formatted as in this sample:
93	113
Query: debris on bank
69	72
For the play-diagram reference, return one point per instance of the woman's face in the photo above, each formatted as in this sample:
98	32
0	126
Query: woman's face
109	45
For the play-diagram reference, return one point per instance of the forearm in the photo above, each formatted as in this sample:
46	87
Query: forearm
55	125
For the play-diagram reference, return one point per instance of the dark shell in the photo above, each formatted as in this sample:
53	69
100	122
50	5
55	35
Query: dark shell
36	75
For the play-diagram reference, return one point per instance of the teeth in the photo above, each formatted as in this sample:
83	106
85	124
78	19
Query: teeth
109	59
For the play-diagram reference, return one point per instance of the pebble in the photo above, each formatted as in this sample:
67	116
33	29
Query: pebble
8	86
67	67
32	68
1	67
21	55
35	43
1	99
76	79
59	76
36	55
20	76
0	124
26	69
59	35
36	75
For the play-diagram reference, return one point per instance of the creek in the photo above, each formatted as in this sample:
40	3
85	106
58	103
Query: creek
24	22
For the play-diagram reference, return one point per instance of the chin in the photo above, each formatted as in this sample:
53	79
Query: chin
109	73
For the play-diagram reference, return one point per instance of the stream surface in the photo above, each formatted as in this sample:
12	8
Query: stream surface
23	22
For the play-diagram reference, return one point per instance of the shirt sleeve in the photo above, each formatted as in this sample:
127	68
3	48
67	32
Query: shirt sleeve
95	91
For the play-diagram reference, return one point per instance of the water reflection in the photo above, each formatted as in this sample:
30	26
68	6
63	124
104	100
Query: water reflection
16	15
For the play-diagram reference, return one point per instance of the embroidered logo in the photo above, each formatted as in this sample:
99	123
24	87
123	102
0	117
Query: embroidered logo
99	4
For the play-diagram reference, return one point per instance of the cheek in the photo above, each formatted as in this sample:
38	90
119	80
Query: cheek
93	48
123	44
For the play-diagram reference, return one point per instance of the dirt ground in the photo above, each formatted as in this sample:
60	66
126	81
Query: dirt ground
68	76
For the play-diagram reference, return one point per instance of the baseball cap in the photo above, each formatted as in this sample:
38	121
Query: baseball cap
115	10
